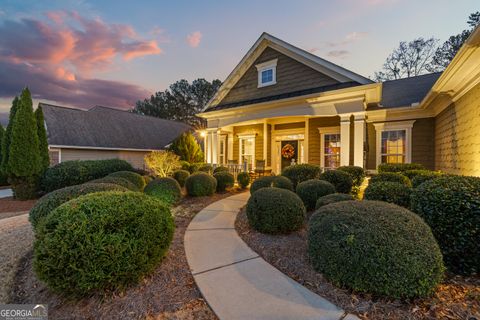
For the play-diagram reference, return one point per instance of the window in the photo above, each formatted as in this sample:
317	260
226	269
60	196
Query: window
394	141
267	73
247	150
393	146
221	152
330	147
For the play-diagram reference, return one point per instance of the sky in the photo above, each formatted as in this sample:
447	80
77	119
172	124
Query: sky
81	53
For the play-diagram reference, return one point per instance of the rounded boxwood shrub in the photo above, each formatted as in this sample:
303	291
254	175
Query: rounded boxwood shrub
301	172
450	205
102	241
166	189
70	173
147	179
205	168
243	179
133	177
52	200
220	169
224	180
184	165
390	177
271	181
356	173
341	180
375	247
118	181
332	198
399	167
275	210
309	191
200	184
392	192
181	176
425	175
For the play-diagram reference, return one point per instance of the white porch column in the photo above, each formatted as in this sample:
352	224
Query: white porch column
230	146
305	141
208	147
359	139
265	140
214	147
344	139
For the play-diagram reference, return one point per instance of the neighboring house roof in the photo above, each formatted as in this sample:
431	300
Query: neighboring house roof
407	91
102	127
266	40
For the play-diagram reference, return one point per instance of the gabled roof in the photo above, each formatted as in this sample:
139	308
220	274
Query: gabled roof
266	40
407	91
102	127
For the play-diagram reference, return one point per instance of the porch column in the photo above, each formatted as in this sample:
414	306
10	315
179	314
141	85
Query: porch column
230	146
214	147
344	139
208	147
305	141
265	140
205	147
359	139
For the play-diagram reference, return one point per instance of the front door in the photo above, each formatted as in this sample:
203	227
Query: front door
288	151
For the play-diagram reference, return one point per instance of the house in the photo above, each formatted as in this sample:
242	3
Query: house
284	105
105	133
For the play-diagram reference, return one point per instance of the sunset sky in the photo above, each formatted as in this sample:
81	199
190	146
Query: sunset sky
83	53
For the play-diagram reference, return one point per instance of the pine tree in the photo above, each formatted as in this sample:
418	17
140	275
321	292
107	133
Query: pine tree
7	137
24	162
42	140
3	177
187	147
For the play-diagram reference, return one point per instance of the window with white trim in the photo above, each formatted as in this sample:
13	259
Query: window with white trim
330	147
267	73
247	150
222	147
394	141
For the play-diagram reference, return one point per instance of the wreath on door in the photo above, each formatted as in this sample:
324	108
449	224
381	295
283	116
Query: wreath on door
288	151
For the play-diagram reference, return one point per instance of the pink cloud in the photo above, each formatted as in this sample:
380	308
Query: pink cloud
340	54
57	58
193	39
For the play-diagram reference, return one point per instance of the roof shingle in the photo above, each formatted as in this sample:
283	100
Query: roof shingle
102	127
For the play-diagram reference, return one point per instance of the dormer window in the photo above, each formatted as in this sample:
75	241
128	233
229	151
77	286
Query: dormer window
267	73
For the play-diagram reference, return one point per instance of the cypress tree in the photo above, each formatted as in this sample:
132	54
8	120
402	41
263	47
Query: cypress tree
24	162
42	140
7	137
3	177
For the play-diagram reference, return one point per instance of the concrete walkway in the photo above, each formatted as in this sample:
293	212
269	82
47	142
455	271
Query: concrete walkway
235	281
4	193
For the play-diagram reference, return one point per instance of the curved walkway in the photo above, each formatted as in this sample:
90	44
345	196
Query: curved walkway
235	281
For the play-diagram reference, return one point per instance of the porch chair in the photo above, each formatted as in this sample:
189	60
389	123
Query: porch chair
259	169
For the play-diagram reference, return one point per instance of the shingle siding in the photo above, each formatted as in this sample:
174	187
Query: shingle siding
423	150
291	76
457	136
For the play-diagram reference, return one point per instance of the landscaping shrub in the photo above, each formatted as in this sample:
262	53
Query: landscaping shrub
275	210
52	200
187	147
271	181
243	179
118	181
162	163
341	180
133	177
147	179
70	173
220	169
450	205
399	167
102	241
166	189
356	173
181	176
387	191
200	184
425	175
375	247
205	168
332	198
224	180
184	165
195	166
309	191
391	177
301	172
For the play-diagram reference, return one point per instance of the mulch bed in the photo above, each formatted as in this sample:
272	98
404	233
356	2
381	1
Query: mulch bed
456	298
169	293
